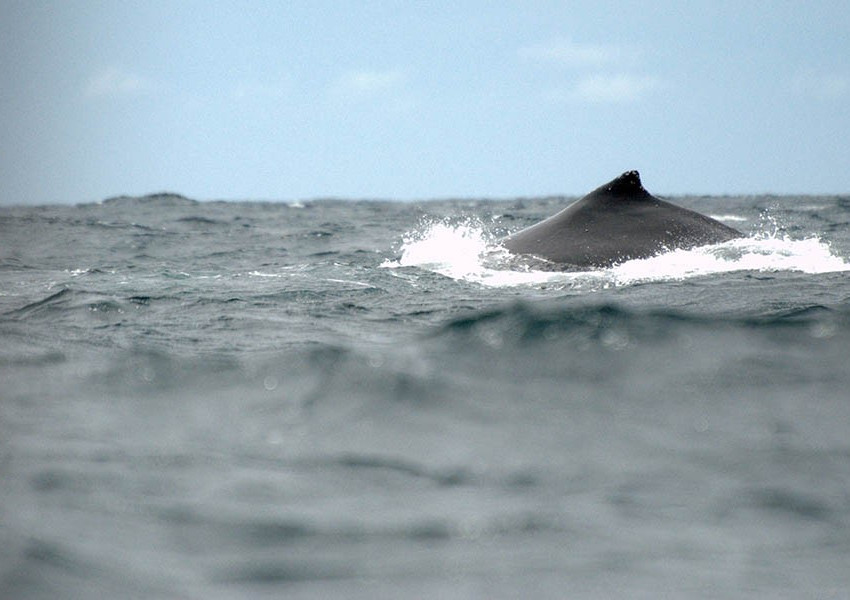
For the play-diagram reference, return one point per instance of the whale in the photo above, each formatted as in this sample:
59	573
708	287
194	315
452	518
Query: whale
616	222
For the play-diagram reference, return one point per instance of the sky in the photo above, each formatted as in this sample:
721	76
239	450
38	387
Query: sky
415	100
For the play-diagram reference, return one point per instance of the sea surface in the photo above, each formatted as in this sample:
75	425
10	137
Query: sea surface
369	399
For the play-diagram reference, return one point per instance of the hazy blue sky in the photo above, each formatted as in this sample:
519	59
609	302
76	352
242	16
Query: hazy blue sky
304	99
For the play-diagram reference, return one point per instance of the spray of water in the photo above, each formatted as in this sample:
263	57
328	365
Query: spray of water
466	251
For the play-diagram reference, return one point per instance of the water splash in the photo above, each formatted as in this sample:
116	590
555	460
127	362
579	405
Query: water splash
467	251
453	250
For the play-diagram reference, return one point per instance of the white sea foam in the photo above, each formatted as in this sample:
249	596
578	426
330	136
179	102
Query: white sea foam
729	218
261	274
467	252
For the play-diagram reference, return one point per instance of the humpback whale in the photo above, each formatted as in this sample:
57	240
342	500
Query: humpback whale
615	222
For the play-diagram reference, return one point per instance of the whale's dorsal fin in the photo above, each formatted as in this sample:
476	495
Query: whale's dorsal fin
626	184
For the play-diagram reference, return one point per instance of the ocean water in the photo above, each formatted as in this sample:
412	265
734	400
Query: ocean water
373	400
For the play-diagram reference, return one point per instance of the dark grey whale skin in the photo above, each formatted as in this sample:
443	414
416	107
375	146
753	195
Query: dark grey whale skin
616	222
